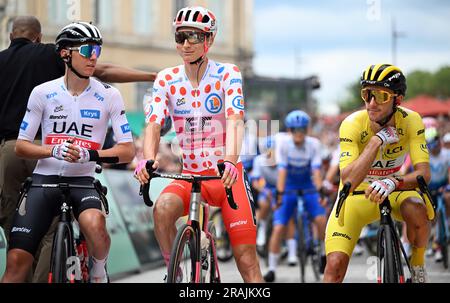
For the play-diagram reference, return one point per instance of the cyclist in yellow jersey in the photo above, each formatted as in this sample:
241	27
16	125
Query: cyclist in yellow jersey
374	143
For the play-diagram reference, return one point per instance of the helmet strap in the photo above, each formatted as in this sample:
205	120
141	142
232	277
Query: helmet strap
69	64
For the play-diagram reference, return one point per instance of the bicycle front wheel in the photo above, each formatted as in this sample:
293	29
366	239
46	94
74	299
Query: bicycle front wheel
182	265
209	262
301	247
60	270
389	264
443	238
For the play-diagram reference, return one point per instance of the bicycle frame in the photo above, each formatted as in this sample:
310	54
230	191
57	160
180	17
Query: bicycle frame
65	217
195	207
387	227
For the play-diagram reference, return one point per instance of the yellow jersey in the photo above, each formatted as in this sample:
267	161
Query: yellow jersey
355	132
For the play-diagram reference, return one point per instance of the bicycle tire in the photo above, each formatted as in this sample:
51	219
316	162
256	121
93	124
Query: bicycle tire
301	248
223	248
390	274
62	250
212	274
184	249
443	240
315	256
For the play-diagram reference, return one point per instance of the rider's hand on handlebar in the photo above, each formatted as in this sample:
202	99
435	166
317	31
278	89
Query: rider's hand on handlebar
141	174
379	190
230	174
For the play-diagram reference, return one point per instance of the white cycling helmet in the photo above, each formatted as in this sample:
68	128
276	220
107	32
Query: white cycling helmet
197	17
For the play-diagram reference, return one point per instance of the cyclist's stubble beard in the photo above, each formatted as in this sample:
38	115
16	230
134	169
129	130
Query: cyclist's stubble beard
378	113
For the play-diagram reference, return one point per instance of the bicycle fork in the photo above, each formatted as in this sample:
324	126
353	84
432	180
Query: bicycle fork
387	225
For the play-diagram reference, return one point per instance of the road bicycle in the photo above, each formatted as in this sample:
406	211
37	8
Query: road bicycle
443	235
389	246
193	258
69	261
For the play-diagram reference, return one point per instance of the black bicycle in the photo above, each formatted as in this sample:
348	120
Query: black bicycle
193	258
69	259
389	246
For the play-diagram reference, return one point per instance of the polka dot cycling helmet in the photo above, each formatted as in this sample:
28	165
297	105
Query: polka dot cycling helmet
197	17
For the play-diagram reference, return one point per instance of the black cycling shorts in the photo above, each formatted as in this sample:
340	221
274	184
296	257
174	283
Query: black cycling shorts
43	204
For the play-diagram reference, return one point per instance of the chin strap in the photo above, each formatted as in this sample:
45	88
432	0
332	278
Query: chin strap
68	61
202	57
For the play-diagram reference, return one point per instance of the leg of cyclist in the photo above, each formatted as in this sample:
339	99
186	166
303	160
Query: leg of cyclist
291	242
414	213
28	229
88	211
264	208
281	218
240	223
168	208
342	235
93	226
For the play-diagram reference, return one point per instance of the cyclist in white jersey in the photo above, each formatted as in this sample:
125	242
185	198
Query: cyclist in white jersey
74	112
205	101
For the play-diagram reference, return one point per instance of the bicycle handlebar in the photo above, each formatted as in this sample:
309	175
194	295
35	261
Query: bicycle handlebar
145	189
343	194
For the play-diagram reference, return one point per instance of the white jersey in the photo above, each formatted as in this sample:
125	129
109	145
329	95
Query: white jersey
264	167
299	161
84	117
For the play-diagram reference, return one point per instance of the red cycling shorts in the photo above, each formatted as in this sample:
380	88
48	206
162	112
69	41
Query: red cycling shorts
241	223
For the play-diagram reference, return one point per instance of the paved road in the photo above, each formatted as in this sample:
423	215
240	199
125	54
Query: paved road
362	269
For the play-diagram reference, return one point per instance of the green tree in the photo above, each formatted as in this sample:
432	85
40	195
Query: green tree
353	101
419	83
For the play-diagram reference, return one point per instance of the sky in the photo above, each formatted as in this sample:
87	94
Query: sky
337	40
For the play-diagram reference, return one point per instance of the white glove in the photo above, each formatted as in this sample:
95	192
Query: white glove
388	135
60	151
385	187
84	154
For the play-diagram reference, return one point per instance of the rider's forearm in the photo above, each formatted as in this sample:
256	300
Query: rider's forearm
125	152
234	137
281	182
118	74
317	178
356	171
151	140
28	150
410	180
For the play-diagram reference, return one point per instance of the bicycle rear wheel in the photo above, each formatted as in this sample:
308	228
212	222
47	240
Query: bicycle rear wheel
315	257
389	264
62	250
182	264
443	239
223	243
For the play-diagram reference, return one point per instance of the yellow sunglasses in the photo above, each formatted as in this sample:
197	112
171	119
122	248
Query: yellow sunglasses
380	96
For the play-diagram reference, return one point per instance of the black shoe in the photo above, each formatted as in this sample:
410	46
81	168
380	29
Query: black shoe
323	264
270	276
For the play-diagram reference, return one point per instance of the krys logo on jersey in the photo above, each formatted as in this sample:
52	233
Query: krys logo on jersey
63	131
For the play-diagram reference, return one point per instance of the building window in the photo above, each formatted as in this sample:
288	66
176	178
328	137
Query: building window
144	16
218	8
104	14
63	11
178	4
142	88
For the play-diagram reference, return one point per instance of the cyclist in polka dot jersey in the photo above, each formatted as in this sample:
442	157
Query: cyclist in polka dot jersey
205	101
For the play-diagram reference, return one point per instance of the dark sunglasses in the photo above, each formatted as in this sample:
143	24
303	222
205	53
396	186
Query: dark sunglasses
193	37
298	130
87	50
